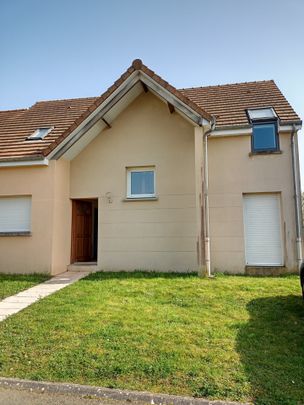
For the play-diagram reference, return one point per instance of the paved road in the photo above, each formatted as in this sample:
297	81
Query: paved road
14	391
9	396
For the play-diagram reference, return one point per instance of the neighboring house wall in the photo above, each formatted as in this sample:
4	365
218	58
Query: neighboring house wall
233	172
29	254
148	235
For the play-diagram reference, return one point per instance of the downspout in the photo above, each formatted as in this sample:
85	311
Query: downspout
297	193
206	198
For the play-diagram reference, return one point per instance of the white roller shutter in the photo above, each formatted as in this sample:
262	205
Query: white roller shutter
15	214
263	233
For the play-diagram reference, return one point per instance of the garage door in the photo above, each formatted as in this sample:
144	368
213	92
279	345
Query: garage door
263	233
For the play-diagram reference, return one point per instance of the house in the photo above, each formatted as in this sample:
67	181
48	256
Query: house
149	177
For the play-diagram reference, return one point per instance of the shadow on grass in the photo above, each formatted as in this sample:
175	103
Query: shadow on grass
271	348
23	277
121	275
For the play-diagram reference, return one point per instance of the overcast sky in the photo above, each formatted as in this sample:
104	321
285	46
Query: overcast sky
52	49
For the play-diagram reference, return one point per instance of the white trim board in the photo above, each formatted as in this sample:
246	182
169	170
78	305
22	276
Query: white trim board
117	95
23	163
247	130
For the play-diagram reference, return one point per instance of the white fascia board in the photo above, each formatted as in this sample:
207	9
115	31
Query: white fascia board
168	96
248	131
24	163
88	137
289	128
73	134
125	86
231	132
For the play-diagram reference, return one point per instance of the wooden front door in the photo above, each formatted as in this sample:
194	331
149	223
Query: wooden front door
82	234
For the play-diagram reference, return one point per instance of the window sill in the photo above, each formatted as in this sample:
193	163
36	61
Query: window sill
26	233
140	199
261	266
270	152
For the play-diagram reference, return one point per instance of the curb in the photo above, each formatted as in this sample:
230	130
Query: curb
107	393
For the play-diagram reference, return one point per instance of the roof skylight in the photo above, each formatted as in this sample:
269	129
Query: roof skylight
40	133
261	113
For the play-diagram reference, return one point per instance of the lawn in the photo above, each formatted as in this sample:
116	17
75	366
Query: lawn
11	284
232	337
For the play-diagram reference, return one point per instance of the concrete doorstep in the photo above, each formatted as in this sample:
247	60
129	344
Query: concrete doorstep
106	394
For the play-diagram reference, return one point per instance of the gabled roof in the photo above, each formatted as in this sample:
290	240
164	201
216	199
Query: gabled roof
67	115
227	102
135	73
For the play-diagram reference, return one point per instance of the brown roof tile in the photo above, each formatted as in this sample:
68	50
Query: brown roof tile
226	102
16	126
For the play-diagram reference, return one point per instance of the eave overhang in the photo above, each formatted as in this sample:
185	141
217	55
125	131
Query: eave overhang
237	130
22	162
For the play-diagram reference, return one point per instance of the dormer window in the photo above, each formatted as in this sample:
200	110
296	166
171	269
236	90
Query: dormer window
264	130
40	133
261	114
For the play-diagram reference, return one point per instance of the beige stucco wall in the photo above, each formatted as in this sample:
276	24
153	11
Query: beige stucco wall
233	172
149	235
29	254
62	217
47	249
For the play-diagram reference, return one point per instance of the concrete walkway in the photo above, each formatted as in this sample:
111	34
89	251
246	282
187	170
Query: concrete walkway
15	303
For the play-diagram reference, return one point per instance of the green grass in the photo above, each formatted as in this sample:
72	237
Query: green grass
232	337
11	284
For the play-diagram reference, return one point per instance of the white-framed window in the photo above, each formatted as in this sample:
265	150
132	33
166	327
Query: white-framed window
141	182
15	214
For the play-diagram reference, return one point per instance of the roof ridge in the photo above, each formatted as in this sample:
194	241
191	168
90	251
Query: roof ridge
65	99
226	84
14	110
50	101
137	64
179	89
